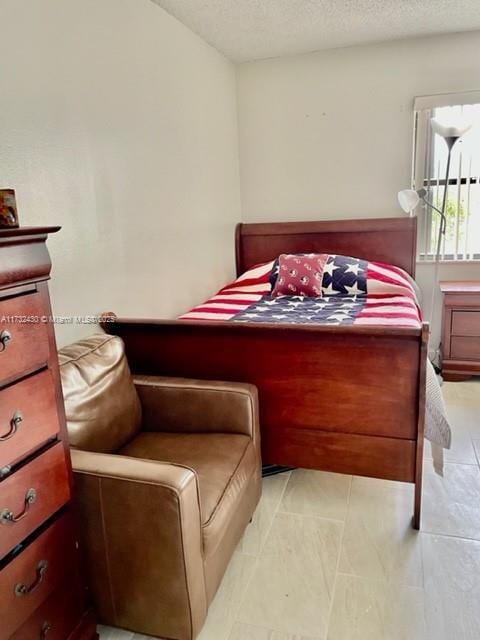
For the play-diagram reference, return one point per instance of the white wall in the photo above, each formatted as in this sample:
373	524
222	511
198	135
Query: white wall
329	134
120	124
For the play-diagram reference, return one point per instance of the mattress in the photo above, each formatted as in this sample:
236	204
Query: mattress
353	292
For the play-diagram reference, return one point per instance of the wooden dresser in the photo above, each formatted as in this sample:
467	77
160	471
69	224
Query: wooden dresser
460	347
42	592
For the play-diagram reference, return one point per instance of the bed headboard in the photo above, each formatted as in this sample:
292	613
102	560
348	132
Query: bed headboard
390	240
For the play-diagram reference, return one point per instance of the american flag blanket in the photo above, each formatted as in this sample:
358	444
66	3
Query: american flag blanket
354	291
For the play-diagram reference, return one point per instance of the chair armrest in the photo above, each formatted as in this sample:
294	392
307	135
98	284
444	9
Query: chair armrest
174	478
142	534
198	406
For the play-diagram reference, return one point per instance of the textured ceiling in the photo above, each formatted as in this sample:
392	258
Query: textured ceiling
253	29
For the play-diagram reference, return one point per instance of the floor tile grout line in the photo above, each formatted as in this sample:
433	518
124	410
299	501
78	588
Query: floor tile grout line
309	515
421	538
261	554
258	626
337	572
459	464
249	554
424	581
349	497
242	598
477	454
315	515
257	560
349	493
282	493
449	535
396	583
448	461
275	511
244	594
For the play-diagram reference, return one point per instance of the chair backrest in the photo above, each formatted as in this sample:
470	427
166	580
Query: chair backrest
102	406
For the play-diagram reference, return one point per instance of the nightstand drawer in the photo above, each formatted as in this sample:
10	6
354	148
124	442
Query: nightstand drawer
466	323
31	495
23	336
28	580
28	416
465	348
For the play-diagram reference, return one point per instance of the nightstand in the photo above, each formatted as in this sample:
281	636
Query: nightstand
460	348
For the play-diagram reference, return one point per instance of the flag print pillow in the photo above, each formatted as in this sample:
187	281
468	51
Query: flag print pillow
300	275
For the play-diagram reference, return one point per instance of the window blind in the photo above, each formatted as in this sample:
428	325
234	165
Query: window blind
462	238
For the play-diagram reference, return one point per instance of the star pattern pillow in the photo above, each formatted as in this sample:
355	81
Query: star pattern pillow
344	275
300	275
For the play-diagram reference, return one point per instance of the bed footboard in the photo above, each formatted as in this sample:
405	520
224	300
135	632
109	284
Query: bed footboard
344	399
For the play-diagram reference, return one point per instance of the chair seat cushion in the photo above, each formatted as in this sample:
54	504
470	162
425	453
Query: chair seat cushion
215	457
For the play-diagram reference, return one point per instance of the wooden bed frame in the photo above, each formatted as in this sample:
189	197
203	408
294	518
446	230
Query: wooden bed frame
348	399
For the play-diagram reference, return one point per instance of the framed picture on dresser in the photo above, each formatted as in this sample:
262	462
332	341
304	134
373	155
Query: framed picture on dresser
8	209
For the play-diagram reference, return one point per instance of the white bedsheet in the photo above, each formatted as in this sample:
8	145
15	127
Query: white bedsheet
437	427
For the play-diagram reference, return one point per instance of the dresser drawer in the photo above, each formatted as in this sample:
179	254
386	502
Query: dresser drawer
23	344
464	348
33	400
28	580
466	323
31	495
58	616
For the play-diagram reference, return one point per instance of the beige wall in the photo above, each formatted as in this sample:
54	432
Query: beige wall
329	134
120	124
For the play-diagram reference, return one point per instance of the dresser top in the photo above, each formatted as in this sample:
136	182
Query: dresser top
27	231
24	255
461	286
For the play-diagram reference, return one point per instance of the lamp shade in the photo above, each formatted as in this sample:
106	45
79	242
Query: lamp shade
450	131
408	199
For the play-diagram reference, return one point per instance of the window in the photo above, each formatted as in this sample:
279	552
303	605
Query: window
462	237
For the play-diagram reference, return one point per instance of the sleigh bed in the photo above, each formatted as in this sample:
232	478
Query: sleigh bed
347	398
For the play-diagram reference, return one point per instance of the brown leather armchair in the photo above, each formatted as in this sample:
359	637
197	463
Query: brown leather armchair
168	475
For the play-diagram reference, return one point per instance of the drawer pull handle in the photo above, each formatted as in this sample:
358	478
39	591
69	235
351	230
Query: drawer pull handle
5	338
6	516
23	589
45	630
14	424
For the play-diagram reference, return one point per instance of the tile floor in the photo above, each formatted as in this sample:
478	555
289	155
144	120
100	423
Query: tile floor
333	557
